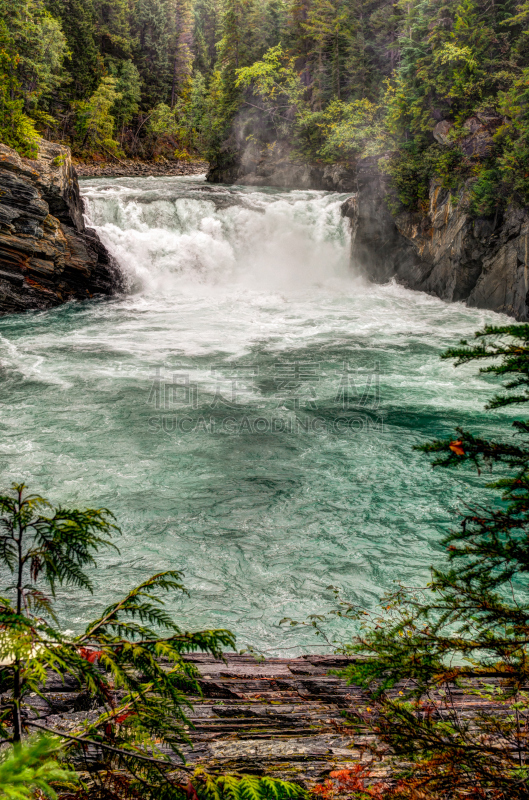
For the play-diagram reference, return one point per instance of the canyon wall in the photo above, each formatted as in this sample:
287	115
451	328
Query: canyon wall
47	255
274	165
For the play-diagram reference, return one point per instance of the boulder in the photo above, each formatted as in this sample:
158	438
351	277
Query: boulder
441	131
479	142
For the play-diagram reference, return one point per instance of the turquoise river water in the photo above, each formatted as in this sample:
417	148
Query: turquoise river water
247	408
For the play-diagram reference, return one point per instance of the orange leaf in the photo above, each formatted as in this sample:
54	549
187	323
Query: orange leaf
456	447
90	655
123	717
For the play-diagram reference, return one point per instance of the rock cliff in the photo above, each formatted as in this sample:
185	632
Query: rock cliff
275	165
47	255
448	252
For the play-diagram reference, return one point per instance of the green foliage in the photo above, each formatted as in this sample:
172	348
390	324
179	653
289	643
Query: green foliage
95	122
128	94
54	546
276	83
371	77
486	192
32	767
458	59
32	48
471	620
84	62
335	79
247	787
36	45
196	118
273	78
162	121
17	130
411	169
352	129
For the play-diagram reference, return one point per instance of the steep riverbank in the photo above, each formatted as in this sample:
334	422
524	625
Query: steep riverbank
47	254
447	252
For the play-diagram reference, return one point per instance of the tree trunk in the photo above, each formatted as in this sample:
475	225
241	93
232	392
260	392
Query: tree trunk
17	687
173	90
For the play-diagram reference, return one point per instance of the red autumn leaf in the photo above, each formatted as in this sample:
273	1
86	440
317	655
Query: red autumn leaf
191	792
90	655
341	774
124	716
456	447
324	790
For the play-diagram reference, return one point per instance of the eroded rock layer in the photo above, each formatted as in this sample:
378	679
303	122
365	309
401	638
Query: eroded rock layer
283	717
47	255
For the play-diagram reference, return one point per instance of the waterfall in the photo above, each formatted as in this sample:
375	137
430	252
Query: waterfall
180	232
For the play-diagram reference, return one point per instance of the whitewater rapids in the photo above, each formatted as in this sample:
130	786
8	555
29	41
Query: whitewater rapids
247	408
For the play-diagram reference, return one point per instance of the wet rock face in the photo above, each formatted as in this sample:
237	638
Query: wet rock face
378	249
276	166
47	255
447	252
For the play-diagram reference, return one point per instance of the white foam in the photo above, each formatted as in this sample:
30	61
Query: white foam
297	241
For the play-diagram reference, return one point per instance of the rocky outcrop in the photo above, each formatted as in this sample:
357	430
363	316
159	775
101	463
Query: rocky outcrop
275	165
448	252
47	255
282	717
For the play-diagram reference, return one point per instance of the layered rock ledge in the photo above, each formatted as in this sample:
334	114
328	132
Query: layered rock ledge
283	717
47	254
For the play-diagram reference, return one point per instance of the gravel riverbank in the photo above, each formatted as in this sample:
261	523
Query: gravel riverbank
128	168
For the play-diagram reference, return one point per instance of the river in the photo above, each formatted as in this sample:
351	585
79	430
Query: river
247	408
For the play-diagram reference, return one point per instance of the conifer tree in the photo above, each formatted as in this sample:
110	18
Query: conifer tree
113	32
152	29
84	62
183	53
206	15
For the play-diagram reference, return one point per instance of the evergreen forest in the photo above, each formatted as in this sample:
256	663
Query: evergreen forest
339	80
